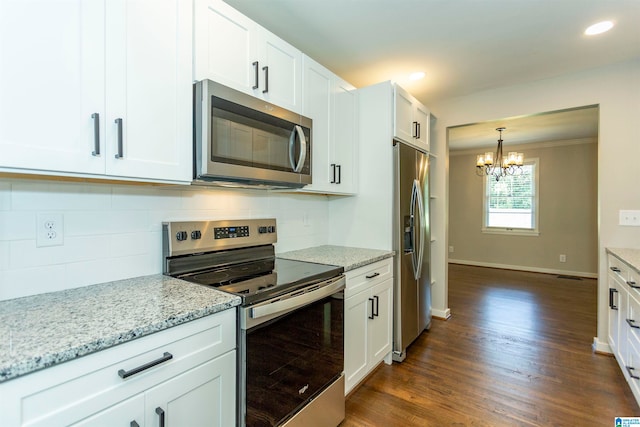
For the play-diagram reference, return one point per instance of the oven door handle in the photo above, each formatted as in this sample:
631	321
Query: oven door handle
294	302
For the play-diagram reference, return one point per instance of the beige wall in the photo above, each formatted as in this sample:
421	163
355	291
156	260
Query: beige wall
567	189
616	90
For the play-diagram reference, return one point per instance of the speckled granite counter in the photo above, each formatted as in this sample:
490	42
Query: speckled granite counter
343	256
629	256
42	330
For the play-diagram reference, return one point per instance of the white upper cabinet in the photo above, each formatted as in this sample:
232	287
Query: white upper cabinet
83	81
237	52
332	105
149	56
411	123
52	79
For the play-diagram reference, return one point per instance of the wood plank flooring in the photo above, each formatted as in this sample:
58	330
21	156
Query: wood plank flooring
515	352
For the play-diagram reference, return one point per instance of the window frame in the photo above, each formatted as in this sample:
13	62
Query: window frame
534	231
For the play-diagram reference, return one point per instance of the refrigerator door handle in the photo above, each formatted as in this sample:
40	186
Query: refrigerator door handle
420	231
415	201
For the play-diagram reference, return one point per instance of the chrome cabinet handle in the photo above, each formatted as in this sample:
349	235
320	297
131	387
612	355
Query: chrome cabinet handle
418	132
160	413
612	291
125	374
630	370
255	67
632	323
96	134
119	155
266	79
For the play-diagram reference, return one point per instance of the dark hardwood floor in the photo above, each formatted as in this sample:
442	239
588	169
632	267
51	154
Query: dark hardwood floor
515	352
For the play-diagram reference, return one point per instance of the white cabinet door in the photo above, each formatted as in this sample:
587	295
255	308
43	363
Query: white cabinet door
149	92
51	83
357	310
237	52
128	413
412	119
224	46
623	327
403	125
380	332
614	313
317	106
422	118
332	104
345	137
202	396
280	74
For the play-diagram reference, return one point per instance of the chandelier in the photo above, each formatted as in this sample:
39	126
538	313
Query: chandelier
497	165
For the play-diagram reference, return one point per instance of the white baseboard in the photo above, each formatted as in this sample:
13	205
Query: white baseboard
525	268
441	314
601	346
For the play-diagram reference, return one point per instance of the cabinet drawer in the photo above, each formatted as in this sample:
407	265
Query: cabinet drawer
618	268
370	275
93	382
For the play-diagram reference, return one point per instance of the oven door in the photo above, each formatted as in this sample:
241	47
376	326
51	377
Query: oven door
291	350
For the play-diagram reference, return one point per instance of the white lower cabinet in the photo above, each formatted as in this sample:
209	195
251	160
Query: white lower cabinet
193	383
624	320
368	320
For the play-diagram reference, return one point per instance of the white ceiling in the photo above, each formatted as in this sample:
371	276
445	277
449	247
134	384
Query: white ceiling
463	46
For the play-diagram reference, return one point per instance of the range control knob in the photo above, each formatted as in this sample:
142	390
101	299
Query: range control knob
271	229
196	234
262	229
181	235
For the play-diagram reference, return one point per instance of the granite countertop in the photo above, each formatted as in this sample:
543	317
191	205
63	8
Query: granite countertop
629	256
342	256
43	330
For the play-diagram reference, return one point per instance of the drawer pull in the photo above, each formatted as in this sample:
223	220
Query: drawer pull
371	276
632	323
134	424
373	313
125	374
616	269
630	370
633	284
160	413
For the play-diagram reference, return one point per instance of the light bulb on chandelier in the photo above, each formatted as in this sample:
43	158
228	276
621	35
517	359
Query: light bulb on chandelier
496	164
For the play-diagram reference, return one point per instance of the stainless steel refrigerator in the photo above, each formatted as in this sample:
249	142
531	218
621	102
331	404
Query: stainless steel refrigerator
412	288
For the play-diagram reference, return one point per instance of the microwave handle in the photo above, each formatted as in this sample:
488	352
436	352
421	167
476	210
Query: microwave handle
297	167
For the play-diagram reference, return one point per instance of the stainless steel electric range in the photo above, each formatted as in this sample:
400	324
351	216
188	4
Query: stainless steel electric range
290	323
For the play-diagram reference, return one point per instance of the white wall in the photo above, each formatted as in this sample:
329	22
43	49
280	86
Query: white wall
114	231
617	91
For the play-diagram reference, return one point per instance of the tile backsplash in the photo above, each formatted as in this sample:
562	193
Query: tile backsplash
113	232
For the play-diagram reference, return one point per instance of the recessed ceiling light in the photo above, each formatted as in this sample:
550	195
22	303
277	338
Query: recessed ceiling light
417	75
599	28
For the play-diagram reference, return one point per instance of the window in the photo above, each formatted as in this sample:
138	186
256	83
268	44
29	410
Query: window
511	204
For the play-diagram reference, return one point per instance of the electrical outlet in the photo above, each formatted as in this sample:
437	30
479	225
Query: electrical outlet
49	229
563	258
451	249
631	218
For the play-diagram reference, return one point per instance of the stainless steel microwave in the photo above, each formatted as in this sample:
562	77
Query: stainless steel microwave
243	141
